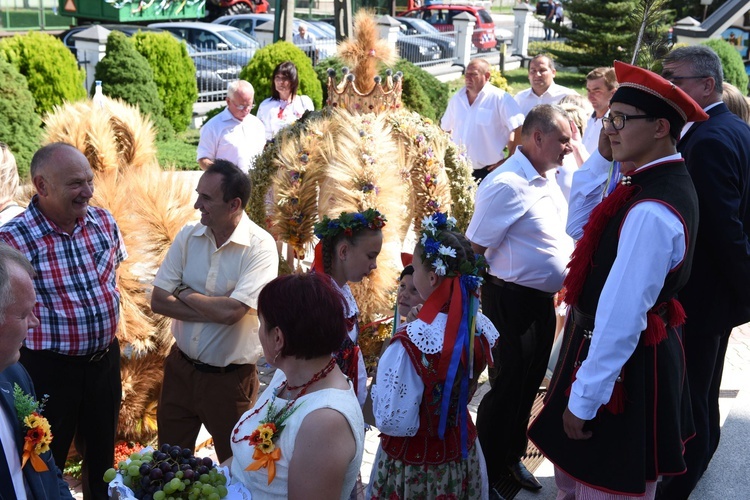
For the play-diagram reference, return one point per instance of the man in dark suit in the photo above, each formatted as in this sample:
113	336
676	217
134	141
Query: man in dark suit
716	298
17	299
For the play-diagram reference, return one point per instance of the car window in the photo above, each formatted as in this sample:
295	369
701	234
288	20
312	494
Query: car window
484	16
205	40
423	27
240	39
440	16
246	25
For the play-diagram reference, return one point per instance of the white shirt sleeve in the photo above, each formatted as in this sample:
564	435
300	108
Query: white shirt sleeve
448	122
207	143
652	242
397	394
586	192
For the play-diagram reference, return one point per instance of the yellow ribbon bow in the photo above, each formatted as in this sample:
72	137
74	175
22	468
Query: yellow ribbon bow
267	460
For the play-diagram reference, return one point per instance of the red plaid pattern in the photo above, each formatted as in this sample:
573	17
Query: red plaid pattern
78	302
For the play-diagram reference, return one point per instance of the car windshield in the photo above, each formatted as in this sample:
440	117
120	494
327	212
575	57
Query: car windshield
240	39
423	26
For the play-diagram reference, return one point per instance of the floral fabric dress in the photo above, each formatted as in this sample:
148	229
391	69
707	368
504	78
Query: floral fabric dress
343	401
412	461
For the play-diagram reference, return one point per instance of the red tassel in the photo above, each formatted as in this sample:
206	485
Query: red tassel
616	404
655	330
677	314
582	259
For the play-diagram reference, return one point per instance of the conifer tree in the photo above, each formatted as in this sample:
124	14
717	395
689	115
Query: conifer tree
20	126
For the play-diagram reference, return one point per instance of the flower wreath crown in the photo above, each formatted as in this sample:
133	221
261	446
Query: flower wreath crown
443	257
348	223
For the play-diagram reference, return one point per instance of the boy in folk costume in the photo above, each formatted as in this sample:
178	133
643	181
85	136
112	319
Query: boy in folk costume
615	418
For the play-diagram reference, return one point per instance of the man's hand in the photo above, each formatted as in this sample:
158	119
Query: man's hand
574	426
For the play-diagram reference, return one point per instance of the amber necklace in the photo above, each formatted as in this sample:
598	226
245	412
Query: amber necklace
285	385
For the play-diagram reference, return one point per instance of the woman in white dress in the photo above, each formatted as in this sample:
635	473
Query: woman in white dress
304	437
284	107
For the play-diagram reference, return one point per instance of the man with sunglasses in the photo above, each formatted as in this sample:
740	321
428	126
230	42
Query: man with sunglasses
234	134
615	418
717	154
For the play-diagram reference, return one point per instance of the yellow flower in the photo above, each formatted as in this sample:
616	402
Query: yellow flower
266	434
39	431
266	446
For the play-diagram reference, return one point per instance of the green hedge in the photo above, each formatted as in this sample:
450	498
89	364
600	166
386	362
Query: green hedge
50	69
259	72
174	75
731	61
20	126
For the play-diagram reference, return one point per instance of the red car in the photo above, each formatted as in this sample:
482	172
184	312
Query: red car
441	17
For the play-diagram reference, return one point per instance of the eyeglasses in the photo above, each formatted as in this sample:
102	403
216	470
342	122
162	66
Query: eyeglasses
618	121
678	78
241	107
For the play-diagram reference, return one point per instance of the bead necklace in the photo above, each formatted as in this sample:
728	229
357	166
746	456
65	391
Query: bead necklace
285	385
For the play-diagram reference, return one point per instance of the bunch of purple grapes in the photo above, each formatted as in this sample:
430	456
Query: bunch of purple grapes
171	473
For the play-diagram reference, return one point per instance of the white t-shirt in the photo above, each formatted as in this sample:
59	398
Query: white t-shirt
484	127
225	137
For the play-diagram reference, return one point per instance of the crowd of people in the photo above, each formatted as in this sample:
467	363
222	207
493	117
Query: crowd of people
629	210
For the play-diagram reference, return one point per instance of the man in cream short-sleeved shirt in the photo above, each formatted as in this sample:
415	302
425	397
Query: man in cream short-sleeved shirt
209	284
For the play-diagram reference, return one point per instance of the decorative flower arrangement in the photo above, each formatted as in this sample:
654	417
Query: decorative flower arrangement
348	223
443	257
38	433
266	452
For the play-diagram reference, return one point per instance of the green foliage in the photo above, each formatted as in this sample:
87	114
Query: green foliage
20	126
731	61
50	68
259	72
126	74
422	92
174	75
179	152
606	31
498	80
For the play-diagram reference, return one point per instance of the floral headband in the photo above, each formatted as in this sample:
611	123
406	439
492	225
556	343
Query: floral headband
443	257
349	223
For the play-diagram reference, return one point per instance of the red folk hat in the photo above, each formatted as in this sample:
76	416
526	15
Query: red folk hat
656	96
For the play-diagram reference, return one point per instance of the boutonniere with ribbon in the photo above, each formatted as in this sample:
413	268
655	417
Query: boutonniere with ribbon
38	433
265	436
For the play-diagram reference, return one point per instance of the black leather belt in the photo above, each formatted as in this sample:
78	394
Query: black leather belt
586	321
518	288
204	368
87	358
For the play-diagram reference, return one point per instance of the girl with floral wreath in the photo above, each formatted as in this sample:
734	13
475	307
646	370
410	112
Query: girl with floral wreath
347	252
427	376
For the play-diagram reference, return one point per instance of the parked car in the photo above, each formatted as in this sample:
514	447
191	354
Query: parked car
209	37
324	42
418	50
441	17
129	29
414	26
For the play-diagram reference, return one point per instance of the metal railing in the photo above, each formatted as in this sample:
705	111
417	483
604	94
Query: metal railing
428	49
216	69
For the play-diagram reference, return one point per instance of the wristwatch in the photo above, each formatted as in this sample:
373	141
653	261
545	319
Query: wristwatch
180	288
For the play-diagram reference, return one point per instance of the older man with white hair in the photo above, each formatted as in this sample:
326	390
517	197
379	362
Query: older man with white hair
234	134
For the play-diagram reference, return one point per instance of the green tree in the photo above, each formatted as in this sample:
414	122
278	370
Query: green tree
50	68
126	74
731	62
259	71
421	92
174	75
20	126
602	32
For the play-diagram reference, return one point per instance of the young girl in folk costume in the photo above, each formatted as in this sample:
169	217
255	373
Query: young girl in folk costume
347	251
428	446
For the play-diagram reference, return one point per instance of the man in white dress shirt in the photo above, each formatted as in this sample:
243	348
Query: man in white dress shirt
209	284
234	134
601	84
615	418
484	119
543	89
518	225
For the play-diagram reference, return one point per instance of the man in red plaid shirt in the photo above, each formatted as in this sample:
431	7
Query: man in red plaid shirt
73	355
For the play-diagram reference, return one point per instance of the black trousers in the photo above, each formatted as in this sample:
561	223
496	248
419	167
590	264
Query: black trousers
704	357
84	403
526	322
